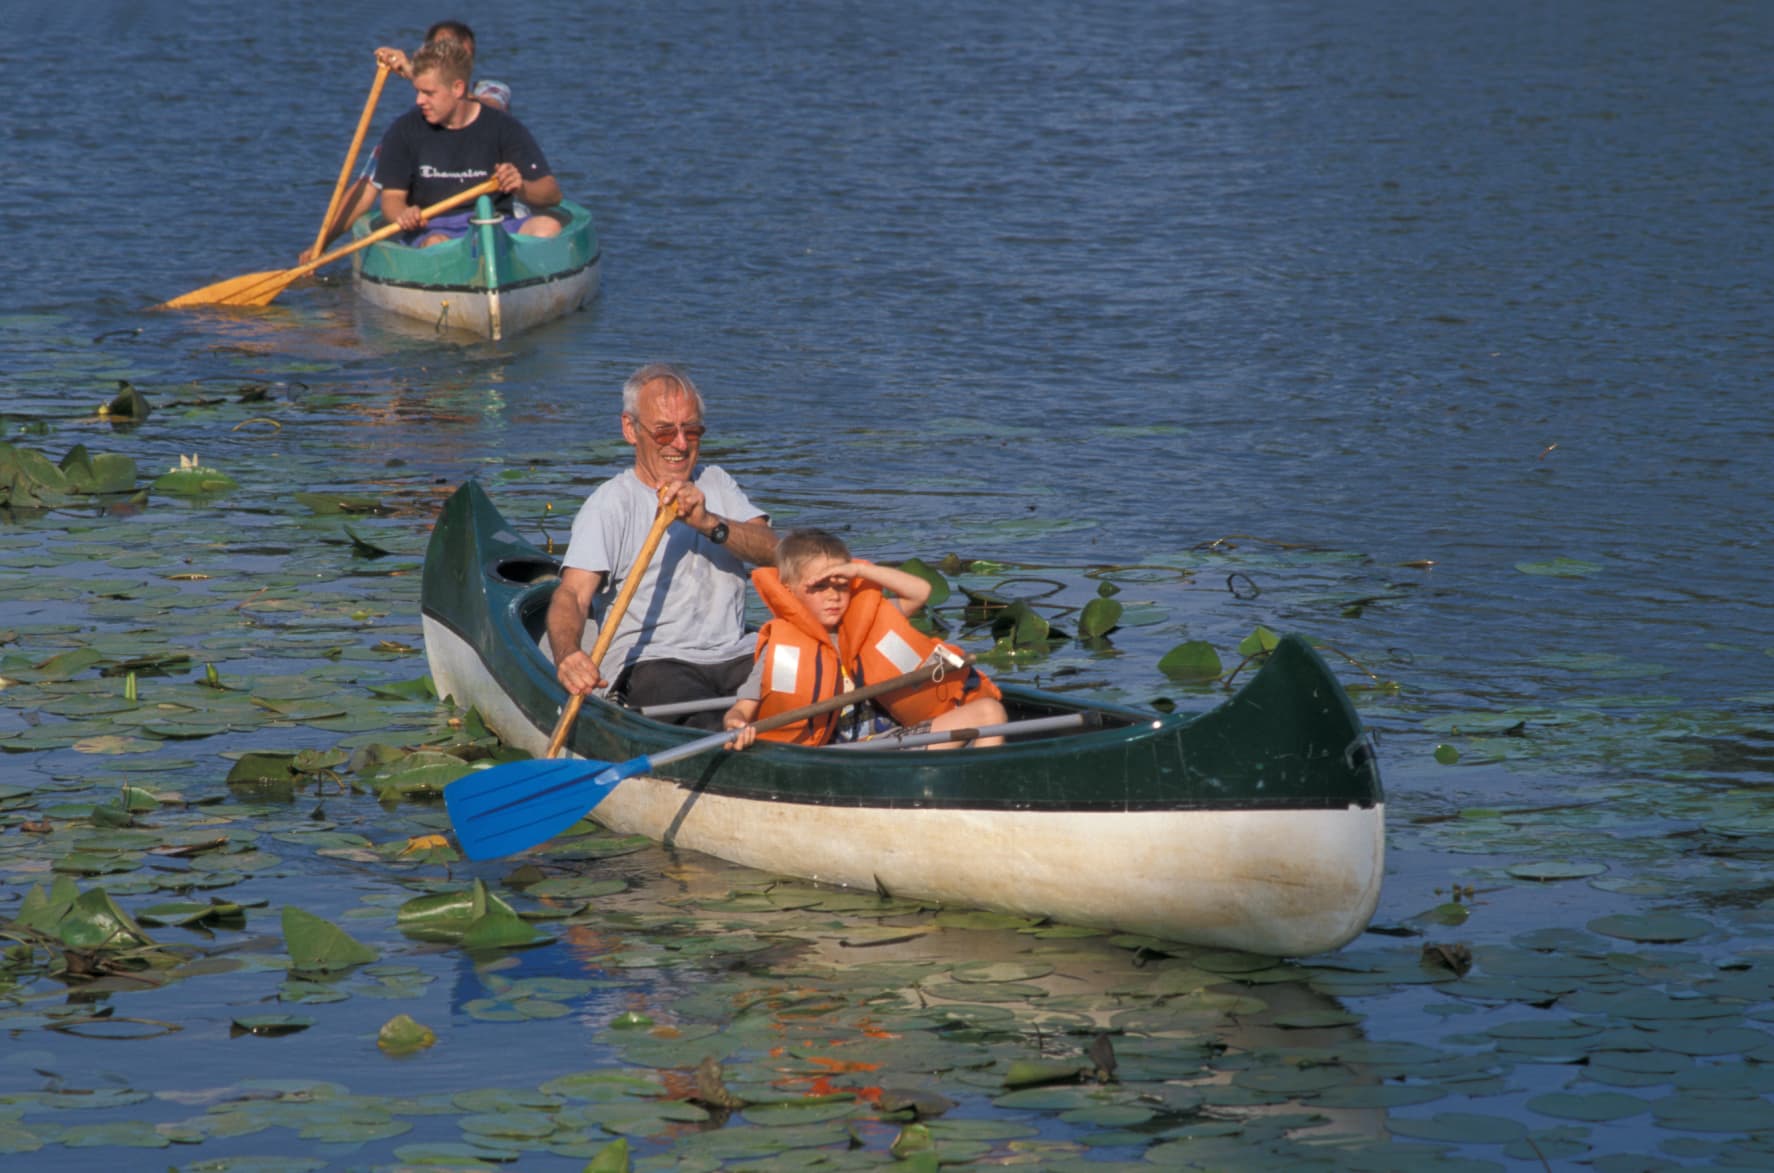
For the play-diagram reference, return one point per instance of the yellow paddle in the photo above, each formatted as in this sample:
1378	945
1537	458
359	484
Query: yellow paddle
363	127
607	631
261	288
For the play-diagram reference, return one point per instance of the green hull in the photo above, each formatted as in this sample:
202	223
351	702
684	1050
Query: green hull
1284	757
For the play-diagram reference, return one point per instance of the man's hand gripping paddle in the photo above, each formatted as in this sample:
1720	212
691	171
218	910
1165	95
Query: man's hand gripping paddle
521	804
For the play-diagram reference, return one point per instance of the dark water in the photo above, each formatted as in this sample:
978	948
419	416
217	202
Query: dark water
1356	290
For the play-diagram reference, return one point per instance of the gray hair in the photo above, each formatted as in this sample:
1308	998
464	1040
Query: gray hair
658	372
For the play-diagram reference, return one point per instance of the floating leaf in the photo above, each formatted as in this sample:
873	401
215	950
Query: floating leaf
66	665
1193	660
939	586
194	480
262	767
95	922
1651	928
335	503
501	928
612	1158
1098	618
1033	1073
318	945
191	913
364	549
1596	1108
270	1026
128	403
1559	568
1019	626
401	1035
473	917
1556	869
104	473
1261	640
29	480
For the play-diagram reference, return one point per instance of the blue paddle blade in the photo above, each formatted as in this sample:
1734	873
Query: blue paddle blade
508	808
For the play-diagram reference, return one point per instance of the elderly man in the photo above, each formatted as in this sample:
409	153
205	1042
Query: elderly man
449	142
683	636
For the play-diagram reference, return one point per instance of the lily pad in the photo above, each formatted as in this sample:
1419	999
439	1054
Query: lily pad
1651	928
1560	568
1193	660
1098	618
1595	1108
1546	871
318	945
402	1035
271	1025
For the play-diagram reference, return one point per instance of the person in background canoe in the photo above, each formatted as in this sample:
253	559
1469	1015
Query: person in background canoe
448	143
683	637
835	629
364	191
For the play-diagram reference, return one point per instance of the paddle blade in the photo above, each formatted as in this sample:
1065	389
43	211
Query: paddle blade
251	289
509	808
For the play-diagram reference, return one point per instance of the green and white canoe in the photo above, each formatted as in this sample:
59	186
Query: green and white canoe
488	282
1256	825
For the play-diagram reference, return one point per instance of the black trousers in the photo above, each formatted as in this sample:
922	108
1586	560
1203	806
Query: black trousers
665	682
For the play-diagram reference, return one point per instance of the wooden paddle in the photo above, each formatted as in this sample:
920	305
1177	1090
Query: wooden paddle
363	127
607	630
518	805
261	288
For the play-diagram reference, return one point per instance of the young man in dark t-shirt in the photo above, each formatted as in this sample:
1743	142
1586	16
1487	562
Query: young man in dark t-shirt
447	143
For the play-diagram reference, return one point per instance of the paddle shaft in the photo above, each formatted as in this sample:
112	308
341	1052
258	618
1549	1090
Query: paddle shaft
363	127
486	187
679	708
855	696
260	288
607	628
513	807
889	741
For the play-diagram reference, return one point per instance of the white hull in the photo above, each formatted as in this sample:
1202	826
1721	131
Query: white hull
1279	882
496	315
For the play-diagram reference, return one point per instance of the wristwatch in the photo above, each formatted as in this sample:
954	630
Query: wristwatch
718	534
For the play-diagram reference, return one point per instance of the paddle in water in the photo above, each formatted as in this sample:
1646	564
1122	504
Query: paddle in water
518	805
261	288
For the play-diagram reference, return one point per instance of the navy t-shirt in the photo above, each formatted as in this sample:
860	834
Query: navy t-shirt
431	163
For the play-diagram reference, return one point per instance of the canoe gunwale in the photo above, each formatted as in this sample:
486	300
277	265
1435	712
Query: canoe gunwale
515	581
507	287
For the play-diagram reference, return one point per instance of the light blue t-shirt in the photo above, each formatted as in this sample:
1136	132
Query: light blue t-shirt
690	604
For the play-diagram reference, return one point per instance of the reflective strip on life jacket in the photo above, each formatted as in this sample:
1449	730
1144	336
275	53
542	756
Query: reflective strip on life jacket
783	673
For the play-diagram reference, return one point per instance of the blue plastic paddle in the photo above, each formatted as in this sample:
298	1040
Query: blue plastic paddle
518	805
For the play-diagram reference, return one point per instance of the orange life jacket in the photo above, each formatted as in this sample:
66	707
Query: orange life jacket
875	642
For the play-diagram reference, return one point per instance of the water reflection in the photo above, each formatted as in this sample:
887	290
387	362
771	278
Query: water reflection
801	990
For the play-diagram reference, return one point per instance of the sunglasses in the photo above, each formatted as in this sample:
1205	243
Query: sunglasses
666	433
840	585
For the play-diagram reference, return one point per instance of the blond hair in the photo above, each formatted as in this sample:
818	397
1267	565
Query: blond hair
450	60
800	548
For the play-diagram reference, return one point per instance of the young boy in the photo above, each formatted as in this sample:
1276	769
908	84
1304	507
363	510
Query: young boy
835	630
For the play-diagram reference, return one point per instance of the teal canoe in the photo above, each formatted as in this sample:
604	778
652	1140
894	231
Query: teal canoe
489	282
1255	825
